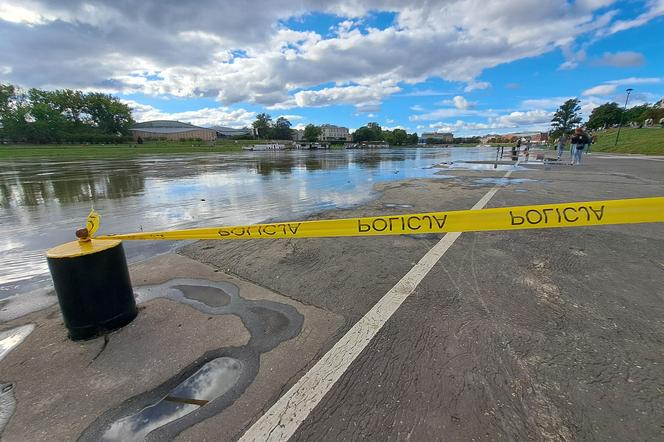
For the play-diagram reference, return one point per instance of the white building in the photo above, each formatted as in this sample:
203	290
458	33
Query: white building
330	132
298	134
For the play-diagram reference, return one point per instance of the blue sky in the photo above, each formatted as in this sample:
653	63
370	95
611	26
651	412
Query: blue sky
464	66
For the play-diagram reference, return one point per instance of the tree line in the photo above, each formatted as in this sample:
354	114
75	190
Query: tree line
62	116
280	129
373	132
568	116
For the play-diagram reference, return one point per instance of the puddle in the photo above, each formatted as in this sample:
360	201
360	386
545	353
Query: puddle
213	382
503	181
211	296
11	338
521	190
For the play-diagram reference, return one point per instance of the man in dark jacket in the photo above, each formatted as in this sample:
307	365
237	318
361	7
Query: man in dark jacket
579	141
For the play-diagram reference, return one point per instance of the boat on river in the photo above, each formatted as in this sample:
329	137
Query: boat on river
262	147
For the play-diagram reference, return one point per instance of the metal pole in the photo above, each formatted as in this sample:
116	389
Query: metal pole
621	116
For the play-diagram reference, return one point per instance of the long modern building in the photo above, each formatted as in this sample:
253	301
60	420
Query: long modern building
172	130
225	132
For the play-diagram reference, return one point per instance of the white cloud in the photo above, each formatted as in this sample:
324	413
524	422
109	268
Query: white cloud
366	98
654	9
572	58
16	13
622	59
602	89
477	85
425	93
219	116
291	117
244	53
417	108
631	81
451	113
544	103
461	103
610	87
529	120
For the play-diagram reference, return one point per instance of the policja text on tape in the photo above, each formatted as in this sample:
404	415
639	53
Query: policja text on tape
591	213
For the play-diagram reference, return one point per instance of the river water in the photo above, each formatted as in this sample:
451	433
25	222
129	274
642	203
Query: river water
43	201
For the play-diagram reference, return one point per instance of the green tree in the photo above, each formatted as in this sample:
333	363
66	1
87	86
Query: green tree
312	132
399	137
370	132
282	129
413	139
62	115
636	114
48	125
263	125
108	113
71	103
655	112
16	122
377	131
605	115
363	134
7	96
566	118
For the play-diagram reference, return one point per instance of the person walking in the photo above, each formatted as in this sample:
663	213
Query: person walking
561	145
579	141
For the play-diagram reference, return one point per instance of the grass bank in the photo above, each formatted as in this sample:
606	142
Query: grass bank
117	150
648	141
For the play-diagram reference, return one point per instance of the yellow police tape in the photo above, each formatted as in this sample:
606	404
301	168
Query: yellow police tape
626	211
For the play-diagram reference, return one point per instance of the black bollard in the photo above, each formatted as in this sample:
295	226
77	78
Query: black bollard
92	282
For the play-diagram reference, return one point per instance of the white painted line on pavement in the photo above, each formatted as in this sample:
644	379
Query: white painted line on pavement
281	421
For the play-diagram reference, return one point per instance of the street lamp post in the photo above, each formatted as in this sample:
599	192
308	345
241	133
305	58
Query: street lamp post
629	91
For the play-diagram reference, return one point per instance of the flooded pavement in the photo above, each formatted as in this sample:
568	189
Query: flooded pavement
42	201
211	381
215	381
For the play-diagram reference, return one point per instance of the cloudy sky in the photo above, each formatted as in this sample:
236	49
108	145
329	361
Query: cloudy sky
467	66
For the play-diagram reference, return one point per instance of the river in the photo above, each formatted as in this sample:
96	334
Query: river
43	201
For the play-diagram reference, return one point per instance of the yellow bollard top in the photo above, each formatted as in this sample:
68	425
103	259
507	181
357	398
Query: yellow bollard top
81	248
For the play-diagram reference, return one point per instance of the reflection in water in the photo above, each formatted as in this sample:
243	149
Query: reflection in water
43	201
211	381
223	373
